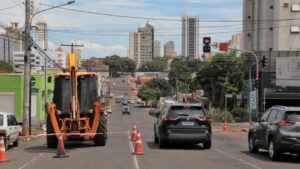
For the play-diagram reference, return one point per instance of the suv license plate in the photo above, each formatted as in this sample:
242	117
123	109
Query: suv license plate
187	123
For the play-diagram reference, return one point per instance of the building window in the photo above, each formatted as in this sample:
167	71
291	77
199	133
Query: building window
295	29
249	17
295	7
271	7
270	49
271	28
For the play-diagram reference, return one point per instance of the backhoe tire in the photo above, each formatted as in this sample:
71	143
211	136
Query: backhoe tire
51	139
101	136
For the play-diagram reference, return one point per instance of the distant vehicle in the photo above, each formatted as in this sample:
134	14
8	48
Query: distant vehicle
278	131
187	123
124	102
118	100
10	129
125	110
139	101
108	110
130	101
114	84
111	95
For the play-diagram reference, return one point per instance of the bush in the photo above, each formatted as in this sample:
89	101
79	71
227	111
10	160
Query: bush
217	115
240	114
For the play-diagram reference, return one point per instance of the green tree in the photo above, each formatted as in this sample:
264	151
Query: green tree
148	94
162	85
158	65
182	73
120	64
127	65
222	74
5	66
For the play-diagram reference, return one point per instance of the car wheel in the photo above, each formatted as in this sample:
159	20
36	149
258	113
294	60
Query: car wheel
156	139
273	152
16	143
207	144
252	146
6	143
162	143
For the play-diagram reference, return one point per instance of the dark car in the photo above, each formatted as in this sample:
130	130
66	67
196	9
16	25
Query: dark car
278	131
188	123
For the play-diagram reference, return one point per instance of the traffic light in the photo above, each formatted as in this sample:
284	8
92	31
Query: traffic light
206	44
264	61
257	83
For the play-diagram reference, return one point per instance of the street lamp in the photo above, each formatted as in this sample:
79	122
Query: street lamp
27	69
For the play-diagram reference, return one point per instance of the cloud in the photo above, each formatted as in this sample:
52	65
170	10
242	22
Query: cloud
101	50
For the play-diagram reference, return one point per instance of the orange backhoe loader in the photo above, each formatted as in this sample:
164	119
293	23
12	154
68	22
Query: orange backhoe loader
76	112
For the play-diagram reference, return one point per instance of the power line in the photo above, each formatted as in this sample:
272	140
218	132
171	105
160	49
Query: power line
169	19
9	7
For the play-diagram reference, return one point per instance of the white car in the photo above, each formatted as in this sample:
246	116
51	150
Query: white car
131	101
108	110
10	129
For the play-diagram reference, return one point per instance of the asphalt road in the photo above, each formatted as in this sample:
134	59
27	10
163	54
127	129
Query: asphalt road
229	150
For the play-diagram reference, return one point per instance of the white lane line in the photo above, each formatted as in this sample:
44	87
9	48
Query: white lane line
31	161
134	158
238	159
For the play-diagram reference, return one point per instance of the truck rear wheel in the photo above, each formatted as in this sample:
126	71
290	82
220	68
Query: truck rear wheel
51	139
101	136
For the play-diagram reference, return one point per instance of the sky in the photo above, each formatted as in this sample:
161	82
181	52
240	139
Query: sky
104	35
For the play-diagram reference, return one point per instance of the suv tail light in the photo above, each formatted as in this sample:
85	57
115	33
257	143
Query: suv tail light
168	117
205	118
286	123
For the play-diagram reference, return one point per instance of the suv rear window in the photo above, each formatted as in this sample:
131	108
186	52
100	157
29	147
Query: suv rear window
293	116
187	110
1	120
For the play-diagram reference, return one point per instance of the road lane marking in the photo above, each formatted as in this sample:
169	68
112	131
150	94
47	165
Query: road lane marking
238	159
134	158
31	161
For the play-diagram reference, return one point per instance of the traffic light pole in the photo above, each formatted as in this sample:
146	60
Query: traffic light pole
256	59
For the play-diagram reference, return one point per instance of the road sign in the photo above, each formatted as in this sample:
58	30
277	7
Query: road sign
223	47
32	81
214	45
229	95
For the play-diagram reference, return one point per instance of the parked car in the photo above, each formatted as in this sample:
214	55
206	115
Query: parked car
10	129
130	101
188	123
108	110
139	101
118	100
278	131
124	102
125	110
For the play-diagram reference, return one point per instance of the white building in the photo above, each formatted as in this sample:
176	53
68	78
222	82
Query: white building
265	26
157	48
141	45
190	36
61	57
236	42
41	34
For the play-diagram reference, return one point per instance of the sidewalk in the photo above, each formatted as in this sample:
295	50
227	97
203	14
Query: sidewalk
233	127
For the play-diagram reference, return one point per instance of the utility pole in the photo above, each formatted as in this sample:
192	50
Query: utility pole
72	46
27	71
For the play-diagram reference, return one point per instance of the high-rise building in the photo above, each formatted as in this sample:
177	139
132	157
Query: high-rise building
190	36
236	43
61	57
271	36
157	48
141	45
41	34
169	48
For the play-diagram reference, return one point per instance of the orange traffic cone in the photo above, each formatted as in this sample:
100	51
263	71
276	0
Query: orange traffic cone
138	145
3	155
60	148
225	127
134	133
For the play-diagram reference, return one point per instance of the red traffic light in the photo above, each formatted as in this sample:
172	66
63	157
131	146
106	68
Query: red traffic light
206	40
